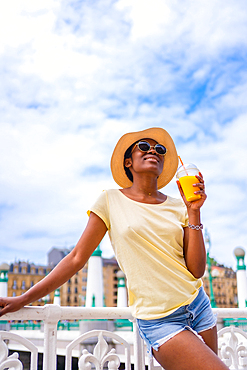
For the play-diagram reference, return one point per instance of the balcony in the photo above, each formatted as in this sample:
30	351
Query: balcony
97	341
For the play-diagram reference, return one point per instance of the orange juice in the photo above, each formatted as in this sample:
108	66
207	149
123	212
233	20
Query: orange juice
188	188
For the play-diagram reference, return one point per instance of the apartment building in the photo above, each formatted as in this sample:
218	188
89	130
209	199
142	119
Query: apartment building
23	275
224	283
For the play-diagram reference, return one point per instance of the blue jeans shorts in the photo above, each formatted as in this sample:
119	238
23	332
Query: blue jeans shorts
196	317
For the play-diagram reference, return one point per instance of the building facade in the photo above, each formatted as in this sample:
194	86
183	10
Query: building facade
73	292
110	280
23	275
224	283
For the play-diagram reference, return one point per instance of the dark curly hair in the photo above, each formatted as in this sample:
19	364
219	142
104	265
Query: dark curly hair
128	154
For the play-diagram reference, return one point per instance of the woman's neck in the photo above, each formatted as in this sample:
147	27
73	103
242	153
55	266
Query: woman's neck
145	186
146	192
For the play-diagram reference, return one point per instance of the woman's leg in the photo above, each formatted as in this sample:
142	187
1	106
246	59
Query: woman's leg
185	351
210	338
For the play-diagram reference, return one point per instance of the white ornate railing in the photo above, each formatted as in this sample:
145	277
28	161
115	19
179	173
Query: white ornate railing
232	341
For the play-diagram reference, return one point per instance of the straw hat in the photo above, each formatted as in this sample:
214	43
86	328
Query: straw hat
156	133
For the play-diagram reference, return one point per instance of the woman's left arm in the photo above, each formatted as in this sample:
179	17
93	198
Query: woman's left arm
194	248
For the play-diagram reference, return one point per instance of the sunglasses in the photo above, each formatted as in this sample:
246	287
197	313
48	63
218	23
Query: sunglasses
144	146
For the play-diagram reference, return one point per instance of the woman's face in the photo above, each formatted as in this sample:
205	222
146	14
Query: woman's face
145	162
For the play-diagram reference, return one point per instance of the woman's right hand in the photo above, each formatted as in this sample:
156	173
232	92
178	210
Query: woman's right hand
10	304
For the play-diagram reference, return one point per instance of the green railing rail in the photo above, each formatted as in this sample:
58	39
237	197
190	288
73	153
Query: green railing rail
65	325
25	325
239	323
68	325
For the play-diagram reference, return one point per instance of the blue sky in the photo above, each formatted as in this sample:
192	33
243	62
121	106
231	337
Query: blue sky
76	75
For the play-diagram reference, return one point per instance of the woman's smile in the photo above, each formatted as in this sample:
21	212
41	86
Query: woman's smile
152	158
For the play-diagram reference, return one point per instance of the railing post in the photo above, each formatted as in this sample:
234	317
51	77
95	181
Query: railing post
139	357
52	316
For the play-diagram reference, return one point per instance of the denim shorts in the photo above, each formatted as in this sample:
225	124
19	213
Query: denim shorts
196	317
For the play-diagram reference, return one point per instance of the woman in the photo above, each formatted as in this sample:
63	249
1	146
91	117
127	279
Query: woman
159	245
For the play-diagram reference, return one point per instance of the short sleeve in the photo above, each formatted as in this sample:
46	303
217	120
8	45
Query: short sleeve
185	215
101	208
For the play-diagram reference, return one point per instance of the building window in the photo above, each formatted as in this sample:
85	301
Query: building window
75	300
76	281
84	288
68	289
23	285
76	290
31	284
14	294
14	285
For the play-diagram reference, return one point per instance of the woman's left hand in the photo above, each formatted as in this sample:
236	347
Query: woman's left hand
196	204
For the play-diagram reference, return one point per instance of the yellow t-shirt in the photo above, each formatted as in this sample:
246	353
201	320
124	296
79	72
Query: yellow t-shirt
148	243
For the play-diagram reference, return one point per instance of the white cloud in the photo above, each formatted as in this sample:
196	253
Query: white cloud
148	18
75	77
21	22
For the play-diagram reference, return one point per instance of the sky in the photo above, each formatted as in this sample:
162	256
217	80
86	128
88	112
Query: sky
77	75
